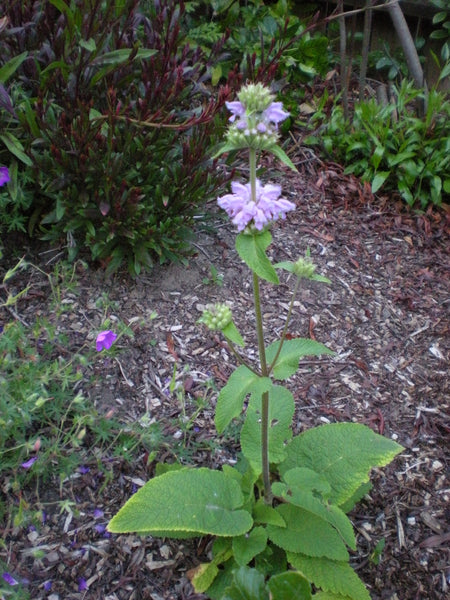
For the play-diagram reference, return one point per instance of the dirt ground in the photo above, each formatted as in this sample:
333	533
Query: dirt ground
386	315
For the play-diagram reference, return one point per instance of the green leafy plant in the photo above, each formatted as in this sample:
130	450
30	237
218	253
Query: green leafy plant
214	278
115	117
442	32
390	146
279	516
257	32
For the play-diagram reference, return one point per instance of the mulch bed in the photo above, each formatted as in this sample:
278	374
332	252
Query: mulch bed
386	317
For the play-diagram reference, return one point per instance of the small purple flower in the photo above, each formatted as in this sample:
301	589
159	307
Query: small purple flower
29	463
244	211
4	176
275	113
48	585
236	108
82	584
9	579
83	469
100	528
105	340
98	513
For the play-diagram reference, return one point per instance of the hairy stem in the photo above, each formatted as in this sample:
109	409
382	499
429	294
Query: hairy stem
285	328
268	496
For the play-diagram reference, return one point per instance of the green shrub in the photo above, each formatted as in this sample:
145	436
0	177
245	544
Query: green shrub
118	124
265	38
394	152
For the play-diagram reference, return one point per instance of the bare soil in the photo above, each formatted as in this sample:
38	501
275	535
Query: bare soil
386	315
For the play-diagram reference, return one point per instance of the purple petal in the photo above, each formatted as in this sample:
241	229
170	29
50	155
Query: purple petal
105	340
98	513
30	462
4	176
100	528
47	585
236	108
9	579
275	113
82	585
83	469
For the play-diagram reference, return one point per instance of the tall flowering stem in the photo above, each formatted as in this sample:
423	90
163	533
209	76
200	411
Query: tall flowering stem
268	496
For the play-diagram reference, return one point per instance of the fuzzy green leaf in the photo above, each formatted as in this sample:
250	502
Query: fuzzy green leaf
248	584
330	575
307	534
263	513
252	249
246	547
231	332
281	411
289	586
231	397
291	353
203	576
329	596
281	155
191	501
298	491
343	453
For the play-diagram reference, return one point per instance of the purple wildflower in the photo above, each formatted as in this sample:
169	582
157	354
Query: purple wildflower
244	211
275	113
98	513
48	585
236	108
9	579
29	463
105	340
4	176
83	469
82	584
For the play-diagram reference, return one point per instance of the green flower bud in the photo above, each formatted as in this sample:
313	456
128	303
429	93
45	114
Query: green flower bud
255	97
216	316
303	268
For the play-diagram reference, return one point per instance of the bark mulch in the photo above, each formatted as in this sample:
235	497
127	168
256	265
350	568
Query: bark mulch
386	317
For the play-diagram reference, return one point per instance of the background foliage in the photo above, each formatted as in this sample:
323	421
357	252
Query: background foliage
109	115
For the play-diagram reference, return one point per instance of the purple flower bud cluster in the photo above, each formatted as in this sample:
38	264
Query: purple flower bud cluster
246	212
255	118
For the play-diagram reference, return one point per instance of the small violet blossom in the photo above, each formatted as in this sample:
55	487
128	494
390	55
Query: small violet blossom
82	584
244	212
10	579
29	463
105	340
4	176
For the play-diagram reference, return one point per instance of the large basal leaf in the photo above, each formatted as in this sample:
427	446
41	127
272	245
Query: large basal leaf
231	397
343	453
330	576
291	353
329	596
203	576
246	547
289	586
252	249
281	411
307	534
248	584
191	501
298	491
